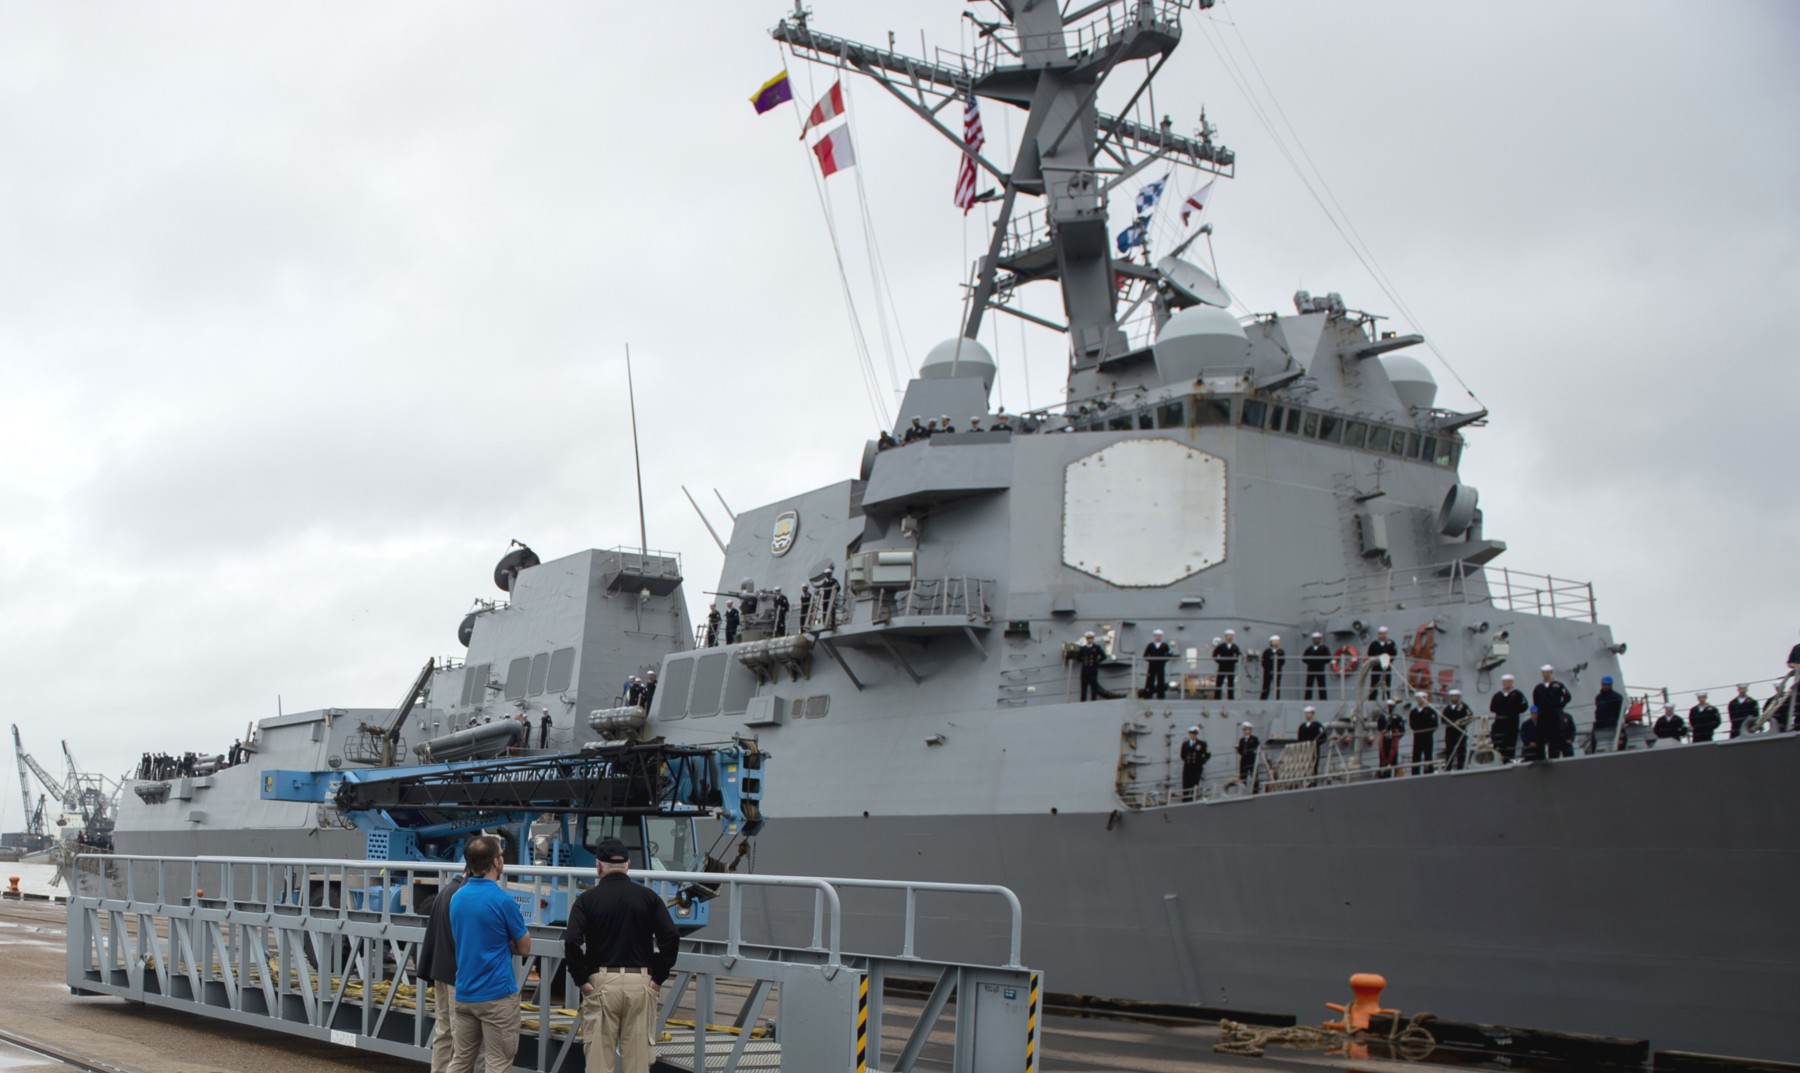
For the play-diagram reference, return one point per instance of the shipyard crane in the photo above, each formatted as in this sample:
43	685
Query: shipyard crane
94	797
28	765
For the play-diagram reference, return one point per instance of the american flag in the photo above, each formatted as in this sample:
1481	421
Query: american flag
974	140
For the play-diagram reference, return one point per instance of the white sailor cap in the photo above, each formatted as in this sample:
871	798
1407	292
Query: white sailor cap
977	417
1456	692
1231	633
1156	633
1090	633
1275	638
1700	695
1317	635
1507	678
1420	696
1310	709
1193	730
778	588
1546	667
944	417
1246	726
1381	629
651	674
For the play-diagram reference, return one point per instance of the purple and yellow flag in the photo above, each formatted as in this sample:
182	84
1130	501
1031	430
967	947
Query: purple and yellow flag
773	92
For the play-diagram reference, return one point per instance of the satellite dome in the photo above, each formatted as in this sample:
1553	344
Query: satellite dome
1202	340
959	357
1413	382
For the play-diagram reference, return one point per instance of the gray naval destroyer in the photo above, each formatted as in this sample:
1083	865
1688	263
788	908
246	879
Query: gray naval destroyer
907	637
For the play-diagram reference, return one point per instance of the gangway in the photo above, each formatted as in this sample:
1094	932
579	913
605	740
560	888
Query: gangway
239	939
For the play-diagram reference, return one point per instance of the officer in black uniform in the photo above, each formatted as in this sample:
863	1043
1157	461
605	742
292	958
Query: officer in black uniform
1457	717
1194	755
1317	657
1273	660
1507	707
732	618
915	431
1551	699
1668	726
1226	654
1381	671
649	693
712	626
1608	705
781	610
1423	719
805	604
828	588
1742	708
1001	423
544	730
1703	719
1314	731
1247	745
1157	655
1088	656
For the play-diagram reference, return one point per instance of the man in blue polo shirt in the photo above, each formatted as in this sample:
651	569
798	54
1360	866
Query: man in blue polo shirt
489	930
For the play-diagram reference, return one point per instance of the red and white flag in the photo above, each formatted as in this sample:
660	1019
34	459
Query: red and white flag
834	152
829	107
1196	203
974	139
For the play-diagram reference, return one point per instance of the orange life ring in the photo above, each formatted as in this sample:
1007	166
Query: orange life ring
1344	660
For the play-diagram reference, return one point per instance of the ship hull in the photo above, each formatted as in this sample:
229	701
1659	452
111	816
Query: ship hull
1615	895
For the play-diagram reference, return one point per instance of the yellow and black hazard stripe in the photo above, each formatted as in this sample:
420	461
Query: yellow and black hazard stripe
1031	1023
862	1025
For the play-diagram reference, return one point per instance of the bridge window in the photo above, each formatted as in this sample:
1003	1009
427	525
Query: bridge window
1120	423
1378	438
1330	428
1310	426
1212	411
1446	452
1171	415
1399	445
1292	426
562	670
518	673
1146	419
1254	412
1430	452
1356	433
540	667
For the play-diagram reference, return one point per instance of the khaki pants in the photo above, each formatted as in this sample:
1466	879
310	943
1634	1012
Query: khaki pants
617	1014
441	1036
487	1035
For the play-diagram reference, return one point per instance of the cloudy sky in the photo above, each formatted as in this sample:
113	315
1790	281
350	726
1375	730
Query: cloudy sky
307	309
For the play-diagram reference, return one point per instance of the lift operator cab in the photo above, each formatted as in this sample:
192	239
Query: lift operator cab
552	810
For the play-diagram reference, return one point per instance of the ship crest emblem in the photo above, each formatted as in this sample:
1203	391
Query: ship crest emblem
787	524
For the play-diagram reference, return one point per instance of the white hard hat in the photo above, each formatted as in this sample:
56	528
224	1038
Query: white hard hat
1193	730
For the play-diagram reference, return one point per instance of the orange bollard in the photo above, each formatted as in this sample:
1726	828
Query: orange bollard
199	892
12	884
1365	1002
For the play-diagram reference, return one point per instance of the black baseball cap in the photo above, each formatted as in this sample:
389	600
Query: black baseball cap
612	851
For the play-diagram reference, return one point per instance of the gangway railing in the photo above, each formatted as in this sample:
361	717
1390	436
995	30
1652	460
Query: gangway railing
327	949
1447	584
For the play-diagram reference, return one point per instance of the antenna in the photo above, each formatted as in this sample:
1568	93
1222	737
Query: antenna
703	521
727	506
637	463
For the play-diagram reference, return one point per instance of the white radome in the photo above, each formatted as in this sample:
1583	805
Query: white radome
959	357
1412	381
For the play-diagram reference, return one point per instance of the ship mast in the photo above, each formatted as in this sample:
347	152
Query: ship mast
1053	64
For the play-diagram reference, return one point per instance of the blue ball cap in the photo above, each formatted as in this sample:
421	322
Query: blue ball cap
1534	709
1606	679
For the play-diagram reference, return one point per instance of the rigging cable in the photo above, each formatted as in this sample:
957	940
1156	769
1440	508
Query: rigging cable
1333	211
877	269
871	384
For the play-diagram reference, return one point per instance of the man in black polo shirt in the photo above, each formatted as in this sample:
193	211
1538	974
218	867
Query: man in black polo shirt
620	945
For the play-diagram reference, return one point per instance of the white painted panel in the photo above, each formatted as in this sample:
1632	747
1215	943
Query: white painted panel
1144	512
